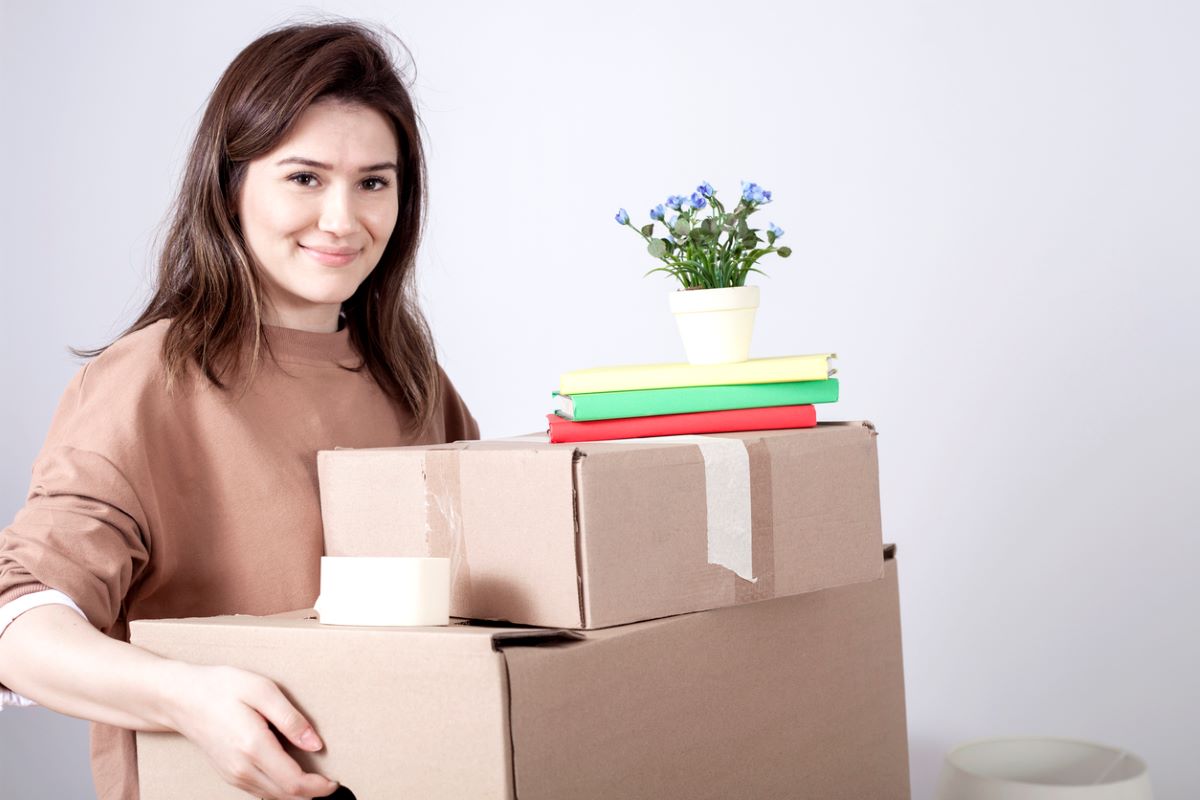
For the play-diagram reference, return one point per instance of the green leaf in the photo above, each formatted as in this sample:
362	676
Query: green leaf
784	252
682	227
770	237
658	248
648	230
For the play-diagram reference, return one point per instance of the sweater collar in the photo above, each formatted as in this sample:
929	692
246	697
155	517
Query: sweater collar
289	344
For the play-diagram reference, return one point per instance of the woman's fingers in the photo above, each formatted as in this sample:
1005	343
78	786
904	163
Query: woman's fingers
269	701
283	771
264	770
229	713
253	780
270	756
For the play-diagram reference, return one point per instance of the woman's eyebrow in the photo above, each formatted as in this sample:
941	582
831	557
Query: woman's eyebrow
308	162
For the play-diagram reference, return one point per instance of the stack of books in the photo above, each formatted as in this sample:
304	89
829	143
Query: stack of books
672	399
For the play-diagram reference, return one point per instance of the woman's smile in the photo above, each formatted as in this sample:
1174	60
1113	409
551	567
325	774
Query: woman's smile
331	257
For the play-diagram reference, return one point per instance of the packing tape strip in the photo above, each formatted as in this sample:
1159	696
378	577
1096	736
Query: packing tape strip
443	521
762	537
727	493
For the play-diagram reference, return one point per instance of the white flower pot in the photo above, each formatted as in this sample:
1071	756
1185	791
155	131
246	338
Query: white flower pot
716	324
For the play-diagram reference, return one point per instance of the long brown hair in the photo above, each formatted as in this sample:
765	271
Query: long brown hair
206	282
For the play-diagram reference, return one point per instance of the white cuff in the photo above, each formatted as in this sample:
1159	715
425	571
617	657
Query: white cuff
15	608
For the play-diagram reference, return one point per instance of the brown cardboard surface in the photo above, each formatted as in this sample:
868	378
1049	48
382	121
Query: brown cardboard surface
796	697
605	533
403	712
793	697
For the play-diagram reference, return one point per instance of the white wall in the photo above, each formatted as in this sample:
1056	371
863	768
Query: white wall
993	208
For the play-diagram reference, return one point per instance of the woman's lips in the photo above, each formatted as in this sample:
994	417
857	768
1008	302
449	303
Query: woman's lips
330	258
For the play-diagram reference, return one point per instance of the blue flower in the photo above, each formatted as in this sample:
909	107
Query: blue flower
671	222
658	212
753	193
775	229
705	189
622	217
697	200
676	202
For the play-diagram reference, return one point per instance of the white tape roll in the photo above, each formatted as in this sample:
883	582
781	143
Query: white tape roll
369	590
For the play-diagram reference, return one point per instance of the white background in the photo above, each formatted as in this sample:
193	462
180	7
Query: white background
993	208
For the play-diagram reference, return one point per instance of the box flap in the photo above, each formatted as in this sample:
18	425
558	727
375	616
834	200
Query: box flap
813	521
460	636
524	503
533	637
281	631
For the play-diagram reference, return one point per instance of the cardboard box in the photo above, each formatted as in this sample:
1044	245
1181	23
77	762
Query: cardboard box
798	697
606	533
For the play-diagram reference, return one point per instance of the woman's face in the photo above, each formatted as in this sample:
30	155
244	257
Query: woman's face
317	212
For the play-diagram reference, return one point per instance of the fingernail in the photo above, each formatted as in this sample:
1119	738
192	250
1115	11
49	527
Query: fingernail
309	739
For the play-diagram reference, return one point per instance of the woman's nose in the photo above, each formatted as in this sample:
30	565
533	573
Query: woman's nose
338	215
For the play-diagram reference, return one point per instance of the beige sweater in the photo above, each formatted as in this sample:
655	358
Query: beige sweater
149	505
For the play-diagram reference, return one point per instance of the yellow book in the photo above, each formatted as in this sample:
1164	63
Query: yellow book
665	376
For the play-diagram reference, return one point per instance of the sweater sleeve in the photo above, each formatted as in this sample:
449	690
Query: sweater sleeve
77	533
82	530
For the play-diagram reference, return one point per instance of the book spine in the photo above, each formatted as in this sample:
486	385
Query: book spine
692	399
752	419
771	370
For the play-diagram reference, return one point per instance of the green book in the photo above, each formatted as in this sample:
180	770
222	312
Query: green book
690	399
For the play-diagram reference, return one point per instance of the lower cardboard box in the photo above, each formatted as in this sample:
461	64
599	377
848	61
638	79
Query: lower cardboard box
796	697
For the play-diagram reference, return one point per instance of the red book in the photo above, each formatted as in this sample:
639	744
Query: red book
738	419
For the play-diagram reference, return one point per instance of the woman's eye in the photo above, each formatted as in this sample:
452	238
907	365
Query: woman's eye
302	178
376	184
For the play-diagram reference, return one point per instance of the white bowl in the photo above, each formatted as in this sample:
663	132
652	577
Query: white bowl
1029	768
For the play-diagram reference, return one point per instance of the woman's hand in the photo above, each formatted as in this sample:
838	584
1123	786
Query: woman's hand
225	711
53	656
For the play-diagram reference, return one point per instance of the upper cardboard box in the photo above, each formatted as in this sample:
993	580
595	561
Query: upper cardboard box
606	533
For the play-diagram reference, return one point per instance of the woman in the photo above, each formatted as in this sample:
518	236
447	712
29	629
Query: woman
178	478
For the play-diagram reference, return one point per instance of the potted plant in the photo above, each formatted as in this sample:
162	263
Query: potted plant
711	255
